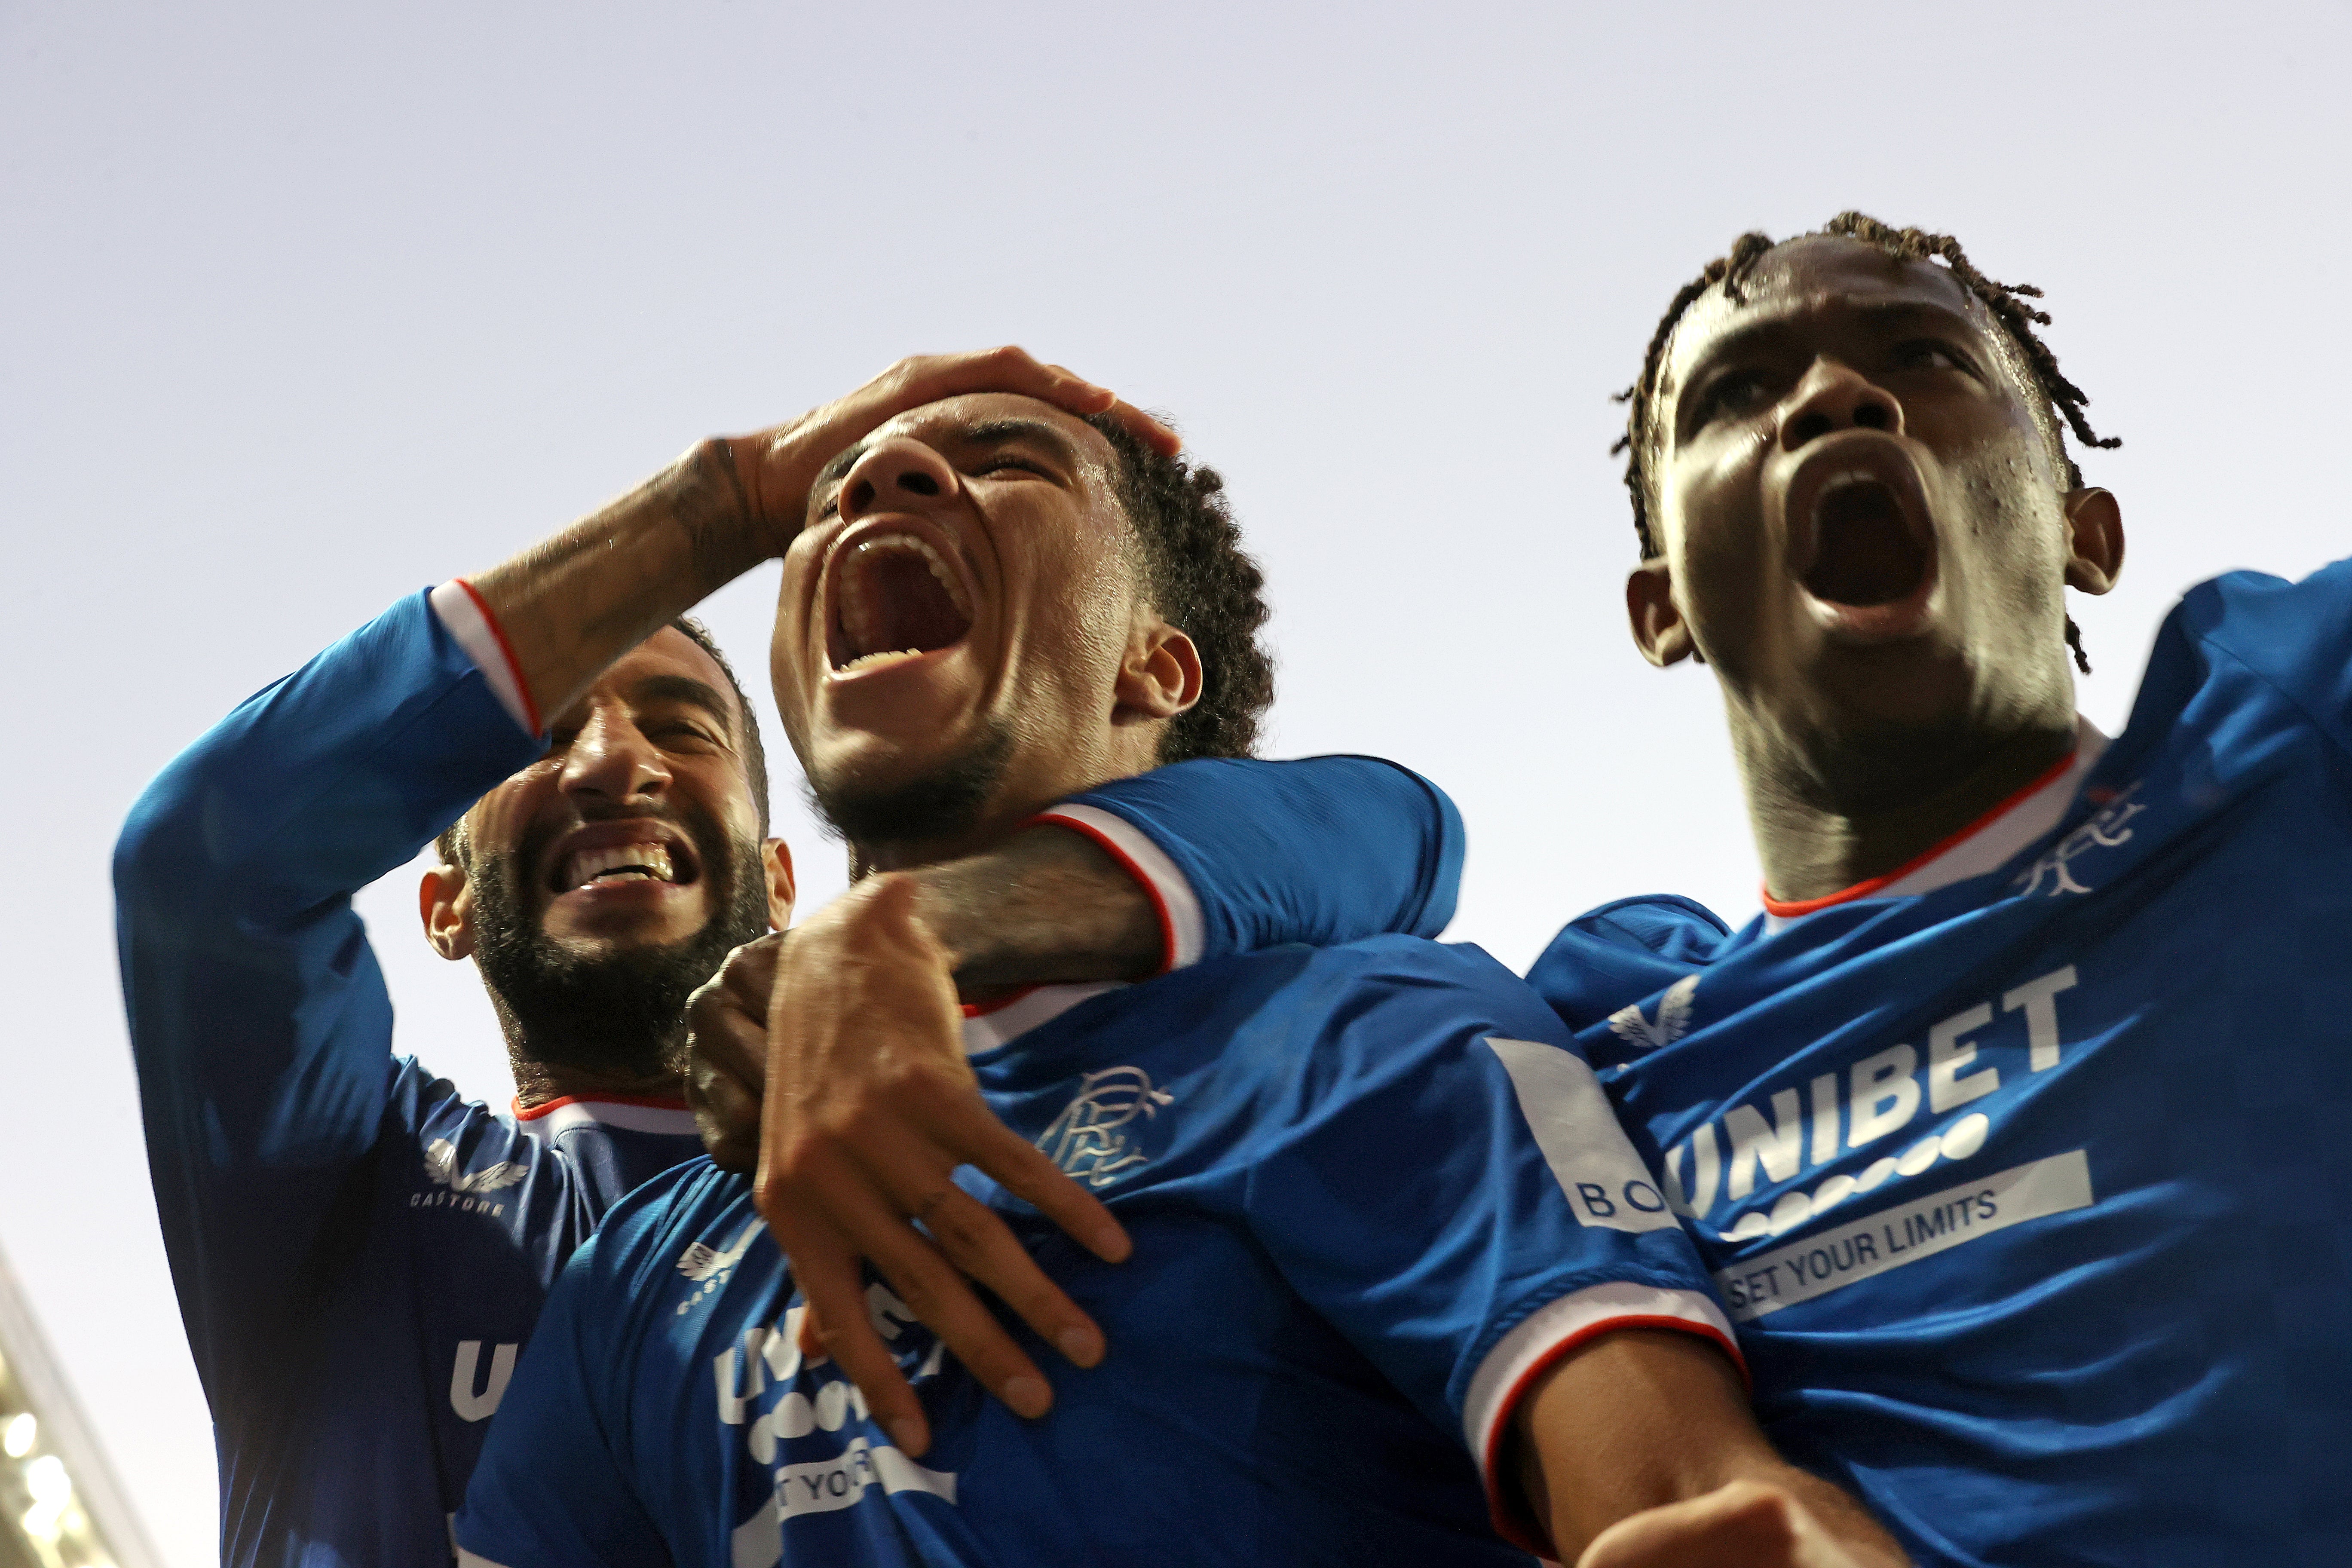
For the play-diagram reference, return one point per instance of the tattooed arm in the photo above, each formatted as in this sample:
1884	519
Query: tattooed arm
571	606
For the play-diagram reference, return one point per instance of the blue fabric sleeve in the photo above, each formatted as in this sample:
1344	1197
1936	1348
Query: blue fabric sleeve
259	1023
2295	635
1323	850
1448	1167
551	1487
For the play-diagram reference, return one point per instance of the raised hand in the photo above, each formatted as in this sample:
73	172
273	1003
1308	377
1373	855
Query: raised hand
779	466
570	605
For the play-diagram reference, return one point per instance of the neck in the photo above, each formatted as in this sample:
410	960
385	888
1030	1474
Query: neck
540	1074
1828	817
539	1082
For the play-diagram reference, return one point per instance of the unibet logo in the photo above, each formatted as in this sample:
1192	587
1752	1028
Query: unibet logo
1838	1112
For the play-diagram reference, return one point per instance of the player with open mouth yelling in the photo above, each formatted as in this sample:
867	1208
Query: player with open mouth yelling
360	1250
2009	1131
1399	1252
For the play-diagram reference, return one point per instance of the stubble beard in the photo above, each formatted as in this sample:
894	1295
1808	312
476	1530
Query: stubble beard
944	803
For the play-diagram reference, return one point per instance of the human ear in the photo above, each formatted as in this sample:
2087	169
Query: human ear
2095	540
1659	629
1160	675
446	900
776	864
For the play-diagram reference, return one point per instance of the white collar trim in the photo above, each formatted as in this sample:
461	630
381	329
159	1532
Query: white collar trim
1995	844
1004	1025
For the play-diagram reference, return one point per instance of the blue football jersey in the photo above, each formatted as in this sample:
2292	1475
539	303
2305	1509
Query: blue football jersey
359	1251
1373	1194
2026	1179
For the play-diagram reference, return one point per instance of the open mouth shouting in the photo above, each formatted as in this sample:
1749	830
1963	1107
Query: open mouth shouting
895	590
1860	540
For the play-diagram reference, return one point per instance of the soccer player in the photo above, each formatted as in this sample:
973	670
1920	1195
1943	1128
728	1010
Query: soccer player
360	1252
2013	1131
1393	1230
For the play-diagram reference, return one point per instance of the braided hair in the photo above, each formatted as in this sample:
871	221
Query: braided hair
2060	397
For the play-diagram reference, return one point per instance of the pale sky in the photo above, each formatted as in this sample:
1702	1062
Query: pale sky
304	307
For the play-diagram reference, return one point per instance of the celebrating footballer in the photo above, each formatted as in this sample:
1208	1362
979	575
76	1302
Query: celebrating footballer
1121	1170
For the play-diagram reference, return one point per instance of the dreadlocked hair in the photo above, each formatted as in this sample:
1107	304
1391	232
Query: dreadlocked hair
1201	581
2006	302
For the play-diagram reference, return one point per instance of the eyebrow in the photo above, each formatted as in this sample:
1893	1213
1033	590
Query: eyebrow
686	689
1875	314
1005	431
987	433
838	469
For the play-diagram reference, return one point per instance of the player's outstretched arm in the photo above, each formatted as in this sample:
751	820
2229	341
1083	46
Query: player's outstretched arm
1639	1450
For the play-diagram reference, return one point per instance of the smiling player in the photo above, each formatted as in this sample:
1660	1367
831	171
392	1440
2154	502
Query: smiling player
359	1250
1393	1232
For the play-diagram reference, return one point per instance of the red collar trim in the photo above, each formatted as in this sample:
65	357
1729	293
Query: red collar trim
657	1101
1790	910
982	1009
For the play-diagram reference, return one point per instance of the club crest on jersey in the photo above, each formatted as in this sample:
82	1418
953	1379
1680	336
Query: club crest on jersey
1644	1034
1087	1140
464	1191
2104	831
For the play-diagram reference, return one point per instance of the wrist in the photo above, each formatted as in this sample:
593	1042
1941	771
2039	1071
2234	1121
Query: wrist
714	496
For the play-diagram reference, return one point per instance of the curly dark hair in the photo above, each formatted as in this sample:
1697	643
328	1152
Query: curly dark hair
1205	584
451	845
2059	397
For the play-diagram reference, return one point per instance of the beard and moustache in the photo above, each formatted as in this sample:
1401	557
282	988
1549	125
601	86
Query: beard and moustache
617	1011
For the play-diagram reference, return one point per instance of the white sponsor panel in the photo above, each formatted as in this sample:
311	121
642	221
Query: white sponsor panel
821	1486
1568	1112
1903	1234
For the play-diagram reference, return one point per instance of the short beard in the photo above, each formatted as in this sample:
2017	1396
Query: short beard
621	1013
942	804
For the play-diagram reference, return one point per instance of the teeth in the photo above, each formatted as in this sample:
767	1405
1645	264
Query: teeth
1839	481
857	614
891	655
632	862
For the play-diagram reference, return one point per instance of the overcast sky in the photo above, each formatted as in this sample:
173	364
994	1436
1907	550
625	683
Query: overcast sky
307	306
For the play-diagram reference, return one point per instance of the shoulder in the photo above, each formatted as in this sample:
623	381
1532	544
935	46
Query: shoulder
1388	987
1622	951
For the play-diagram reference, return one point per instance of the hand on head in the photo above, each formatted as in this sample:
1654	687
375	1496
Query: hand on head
776	467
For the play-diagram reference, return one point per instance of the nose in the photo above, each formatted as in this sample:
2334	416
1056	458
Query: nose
1833	398
898	474
611	759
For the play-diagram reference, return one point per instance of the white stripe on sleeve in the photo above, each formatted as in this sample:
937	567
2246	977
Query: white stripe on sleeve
1172	893
471	630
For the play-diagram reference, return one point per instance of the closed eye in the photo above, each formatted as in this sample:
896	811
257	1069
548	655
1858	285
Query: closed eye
1931	354
1004	461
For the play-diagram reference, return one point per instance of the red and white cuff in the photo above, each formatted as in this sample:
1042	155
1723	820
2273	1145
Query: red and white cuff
470	625
1532	1349
1170	893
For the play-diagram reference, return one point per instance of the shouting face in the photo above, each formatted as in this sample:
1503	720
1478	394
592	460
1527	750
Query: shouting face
1865	517
602	883
962	632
